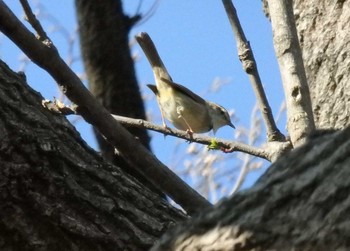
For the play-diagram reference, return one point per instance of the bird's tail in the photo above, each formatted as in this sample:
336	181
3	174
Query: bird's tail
152	55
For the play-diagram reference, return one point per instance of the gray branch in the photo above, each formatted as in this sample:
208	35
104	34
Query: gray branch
249	65
270	151
300	119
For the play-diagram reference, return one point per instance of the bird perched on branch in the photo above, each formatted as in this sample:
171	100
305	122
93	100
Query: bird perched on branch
183	108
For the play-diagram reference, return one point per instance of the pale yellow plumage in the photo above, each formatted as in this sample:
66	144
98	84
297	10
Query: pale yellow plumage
183	108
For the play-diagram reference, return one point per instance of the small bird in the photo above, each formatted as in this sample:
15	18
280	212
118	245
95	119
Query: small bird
182	107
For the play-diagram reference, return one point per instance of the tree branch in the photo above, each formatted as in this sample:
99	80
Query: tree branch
299	110
30	17
249	65
94	113
225	145
58	194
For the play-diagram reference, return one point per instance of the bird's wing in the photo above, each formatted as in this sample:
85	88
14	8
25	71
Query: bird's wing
182	89
153	89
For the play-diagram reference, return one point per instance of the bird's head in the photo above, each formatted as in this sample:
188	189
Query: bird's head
219	116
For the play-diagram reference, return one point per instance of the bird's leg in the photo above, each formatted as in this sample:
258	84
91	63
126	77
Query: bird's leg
162	114
189	129
227	150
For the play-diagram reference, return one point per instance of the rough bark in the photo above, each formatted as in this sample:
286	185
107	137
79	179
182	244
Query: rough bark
300	121
103	30
324	35
56	193
301	203
47	57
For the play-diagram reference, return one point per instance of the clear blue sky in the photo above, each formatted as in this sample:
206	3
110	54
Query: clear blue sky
196	43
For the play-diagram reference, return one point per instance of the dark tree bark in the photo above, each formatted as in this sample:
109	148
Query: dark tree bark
103	30
56	193
301	203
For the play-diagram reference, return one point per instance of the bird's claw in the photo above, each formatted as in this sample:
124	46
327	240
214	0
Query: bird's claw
227	150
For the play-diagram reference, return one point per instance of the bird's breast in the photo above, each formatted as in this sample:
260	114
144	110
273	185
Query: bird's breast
182	111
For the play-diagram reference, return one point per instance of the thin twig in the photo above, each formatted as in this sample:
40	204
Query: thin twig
30	17
231	146
249	64
198	138
242	174
93	112
254	131
149	13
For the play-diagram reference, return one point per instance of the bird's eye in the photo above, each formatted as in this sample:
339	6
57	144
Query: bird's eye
222	111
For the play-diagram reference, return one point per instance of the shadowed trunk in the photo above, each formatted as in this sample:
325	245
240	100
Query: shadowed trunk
104	30
301	203
57	193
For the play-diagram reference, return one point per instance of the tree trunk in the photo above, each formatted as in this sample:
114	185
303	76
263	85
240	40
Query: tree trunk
324	35
103	30
300	203
57	193
323	30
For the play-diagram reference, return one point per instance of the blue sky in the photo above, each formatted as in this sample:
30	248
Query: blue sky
196	43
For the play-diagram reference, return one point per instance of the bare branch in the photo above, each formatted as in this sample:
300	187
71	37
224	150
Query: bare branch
299	111
94	113
150	12
30	17
249	65
230	146
242	175
254	132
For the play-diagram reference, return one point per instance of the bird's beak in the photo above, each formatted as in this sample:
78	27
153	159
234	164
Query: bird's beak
230	124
